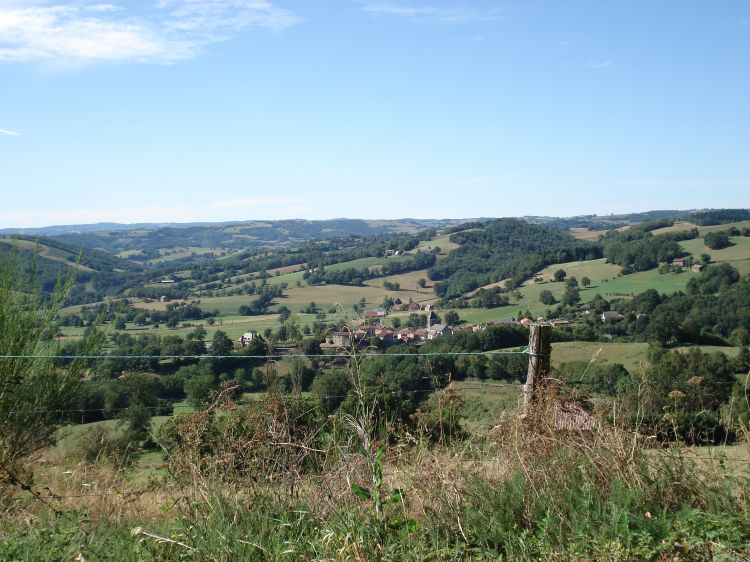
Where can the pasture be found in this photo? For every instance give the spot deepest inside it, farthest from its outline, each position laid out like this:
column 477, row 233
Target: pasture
column 635, row 283
column 719, row 227
column 407, row 281
column 476, row 316
column 681, row 226
column 633, row 356
column 737, row 256
column 606, row 280
column 442, row 242
column 599, row 272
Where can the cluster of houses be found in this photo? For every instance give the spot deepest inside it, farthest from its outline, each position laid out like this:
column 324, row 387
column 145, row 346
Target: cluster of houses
column 390, row 335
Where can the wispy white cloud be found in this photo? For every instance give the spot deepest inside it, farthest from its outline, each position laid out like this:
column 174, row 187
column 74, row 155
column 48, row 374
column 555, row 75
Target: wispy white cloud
column 252, row 202
column 449, row 14
column 601, row 65
column 9, row 133
column 163, row 32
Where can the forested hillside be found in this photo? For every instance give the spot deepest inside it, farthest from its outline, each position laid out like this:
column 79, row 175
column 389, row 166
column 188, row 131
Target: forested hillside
column 504, row 249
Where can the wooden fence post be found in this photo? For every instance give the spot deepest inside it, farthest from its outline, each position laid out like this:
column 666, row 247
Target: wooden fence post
column 539, row 359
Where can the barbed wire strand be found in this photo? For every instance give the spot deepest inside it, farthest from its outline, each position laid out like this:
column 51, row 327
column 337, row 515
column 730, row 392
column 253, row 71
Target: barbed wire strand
column 272, row 356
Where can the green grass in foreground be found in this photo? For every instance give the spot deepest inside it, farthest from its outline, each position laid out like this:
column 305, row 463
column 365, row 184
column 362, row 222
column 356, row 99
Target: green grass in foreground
column 572, row 512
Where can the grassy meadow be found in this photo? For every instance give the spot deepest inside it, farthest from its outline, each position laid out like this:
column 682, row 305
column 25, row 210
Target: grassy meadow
column 737, row 255
column 442, row 242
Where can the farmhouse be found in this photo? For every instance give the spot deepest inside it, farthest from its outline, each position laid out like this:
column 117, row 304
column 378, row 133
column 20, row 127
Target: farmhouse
column 611, row 316
column 385, row 334
column 341, row 339
column 404, row 334
column 383, row 330
column 245, row 339
column 421, row 334
column 438, row 331
column 697, row 268
column 364, row 332
column 678, row 262
column 377, row 313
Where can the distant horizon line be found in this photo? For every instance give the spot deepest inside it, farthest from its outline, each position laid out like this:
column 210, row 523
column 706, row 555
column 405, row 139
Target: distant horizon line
column 158, row 224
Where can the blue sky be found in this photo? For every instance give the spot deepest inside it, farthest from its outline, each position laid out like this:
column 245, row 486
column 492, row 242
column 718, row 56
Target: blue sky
column 199, row 110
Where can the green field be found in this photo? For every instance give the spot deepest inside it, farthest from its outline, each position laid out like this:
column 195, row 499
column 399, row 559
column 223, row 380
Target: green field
column 738, row 255
column 442, row 242
column 596, row 270
column 678, row 226
column 289, row 278
column 633, row 356
column 719, row 227
column 606, row 280
column 638, row 282
column 408, row 282
column 477, row 316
